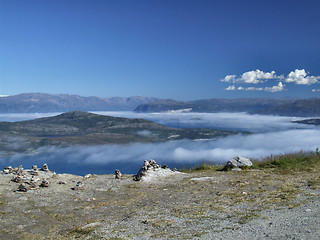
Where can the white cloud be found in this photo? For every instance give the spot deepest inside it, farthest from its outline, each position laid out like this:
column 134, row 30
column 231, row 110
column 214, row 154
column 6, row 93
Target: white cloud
column 256, row 76
column 278, row 88
column 231, row 88
column 252, row 77
column 229, row 78
column 253, row 89
column 300, row 77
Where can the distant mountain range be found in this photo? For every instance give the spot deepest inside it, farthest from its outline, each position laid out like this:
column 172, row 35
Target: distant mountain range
column 42, row 102
column 283, row 107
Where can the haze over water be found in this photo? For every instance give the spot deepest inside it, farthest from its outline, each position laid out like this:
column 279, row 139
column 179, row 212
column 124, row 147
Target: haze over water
column 269, row 135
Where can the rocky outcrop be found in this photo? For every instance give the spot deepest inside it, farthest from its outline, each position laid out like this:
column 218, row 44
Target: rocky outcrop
column 238, row 163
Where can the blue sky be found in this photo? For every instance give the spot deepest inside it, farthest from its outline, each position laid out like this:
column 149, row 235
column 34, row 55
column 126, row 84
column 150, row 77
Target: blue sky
column 179, row 49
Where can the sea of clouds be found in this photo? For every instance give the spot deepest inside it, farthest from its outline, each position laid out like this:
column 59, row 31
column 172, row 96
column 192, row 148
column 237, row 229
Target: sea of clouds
column 270, row 135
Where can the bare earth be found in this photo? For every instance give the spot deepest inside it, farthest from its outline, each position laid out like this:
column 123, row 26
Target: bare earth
column 200, row 205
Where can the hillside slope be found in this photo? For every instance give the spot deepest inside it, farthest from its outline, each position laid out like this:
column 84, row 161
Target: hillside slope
column 82, row 128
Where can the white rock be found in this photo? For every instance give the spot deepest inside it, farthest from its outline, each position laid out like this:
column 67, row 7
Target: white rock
column 239, row 162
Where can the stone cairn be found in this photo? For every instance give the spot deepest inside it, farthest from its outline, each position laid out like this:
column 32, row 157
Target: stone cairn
column 44, row 183
column 117, row 174
column 28, row 178
column 34, row 170
column 45, row 167
column 8, row 170
column 148, row 166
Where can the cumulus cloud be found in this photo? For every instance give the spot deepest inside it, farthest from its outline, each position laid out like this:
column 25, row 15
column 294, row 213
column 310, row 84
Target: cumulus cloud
column 252, row 77
column 300, row 77
column 231, row 88
column 230, row 78
column 278, row 88
column 253, row 89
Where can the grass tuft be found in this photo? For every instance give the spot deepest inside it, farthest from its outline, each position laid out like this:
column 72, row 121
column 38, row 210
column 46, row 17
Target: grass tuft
column 291, row 162
column 284, row 163
column 202, row 167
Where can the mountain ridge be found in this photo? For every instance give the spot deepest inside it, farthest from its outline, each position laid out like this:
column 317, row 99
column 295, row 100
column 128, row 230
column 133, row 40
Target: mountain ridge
column 44, row 102
column 267, row 106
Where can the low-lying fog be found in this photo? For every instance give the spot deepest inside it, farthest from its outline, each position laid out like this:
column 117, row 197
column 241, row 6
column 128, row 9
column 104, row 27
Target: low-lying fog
column 271, row 135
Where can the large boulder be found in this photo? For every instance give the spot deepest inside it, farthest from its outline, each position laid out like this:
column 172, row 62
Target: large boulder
column 239, row 162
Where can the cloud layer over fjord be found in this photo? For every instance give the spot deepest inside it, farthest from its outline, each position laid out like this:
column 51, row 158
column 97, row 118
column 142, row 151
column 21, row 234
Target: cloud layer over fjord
column 229, row 121
column 128, row 158
column 272, row 135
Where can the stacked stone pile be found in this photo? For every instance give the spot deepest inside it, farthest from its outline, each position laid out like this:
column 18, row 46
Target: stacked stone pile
column 148, row 168
column 117, row 174
column 29, row 179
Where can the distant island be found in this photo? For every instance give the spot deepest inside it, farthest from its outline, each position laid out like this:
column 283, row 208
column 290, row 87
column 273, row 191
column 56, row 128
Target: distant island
column 83, row 128
column 45, row 103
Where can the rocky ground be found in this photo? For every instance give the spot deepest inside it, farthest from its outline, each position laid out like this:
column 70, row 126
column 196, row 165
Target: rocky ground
column 248, row 204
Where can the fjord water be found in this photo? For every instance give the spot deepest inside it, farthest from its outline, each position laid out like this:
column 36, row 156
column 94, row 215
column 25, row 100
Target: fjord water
column 268, row 135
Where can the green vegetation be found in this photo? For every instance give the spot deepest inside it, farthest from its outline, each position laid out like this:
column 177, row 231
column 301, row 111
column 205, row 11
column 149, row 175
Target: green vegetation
column 283, row 163
column 203, row 167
